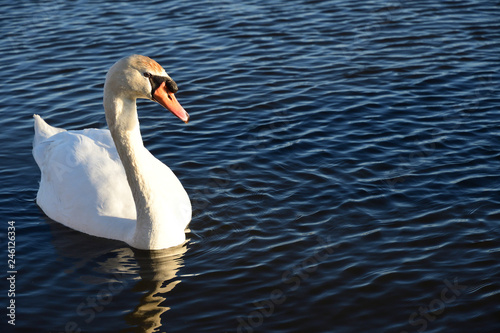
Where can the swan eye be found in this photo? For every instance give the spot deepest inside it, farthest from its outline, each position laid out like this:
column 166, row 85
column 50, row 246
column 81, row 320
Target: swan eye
column 157, row 80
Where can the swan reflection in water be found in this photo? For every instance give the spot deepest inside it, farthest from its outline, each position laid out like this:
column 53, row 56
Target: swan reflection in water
column 117, row 275
column 157, row 270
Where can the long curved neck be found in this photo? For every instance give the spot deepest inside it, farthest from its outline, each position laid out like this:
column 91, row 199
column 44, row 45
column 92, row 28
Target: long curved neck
column 122, row 119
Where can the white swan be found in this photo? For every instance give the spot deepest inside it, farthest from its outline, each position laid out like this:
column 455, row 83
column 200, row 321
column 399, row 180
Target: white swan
column 105, row 182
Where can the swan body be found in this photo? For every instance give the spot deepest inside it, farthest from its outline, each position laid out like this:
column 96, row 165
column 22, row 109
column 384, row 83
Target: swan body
column 105, row 182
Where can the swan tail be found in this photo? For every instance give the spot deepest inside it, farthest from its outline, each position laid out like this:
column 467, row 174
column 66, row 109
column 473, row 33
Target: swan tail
column 43, row 130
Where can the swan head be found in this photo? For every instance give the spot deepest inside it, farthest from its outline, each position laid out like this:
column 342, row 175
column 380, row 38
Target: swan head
column 138, row 76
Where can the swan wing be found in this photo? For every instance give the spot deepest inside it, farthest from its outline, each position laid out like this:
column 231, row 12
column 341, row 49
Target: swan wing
column 83, row 183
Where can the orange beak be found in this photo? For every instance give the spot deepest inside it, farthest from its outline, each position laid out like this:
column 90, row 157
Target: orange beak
column 167, row 99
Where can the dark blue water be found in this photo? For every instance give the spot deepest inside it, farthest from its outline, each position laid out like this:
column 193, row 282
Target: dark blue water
column 342, row 159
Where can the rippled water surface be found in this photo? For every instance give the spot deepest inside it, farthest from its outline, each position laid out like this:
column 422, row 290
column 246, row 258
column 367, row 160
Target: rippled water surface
column 342, row 160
